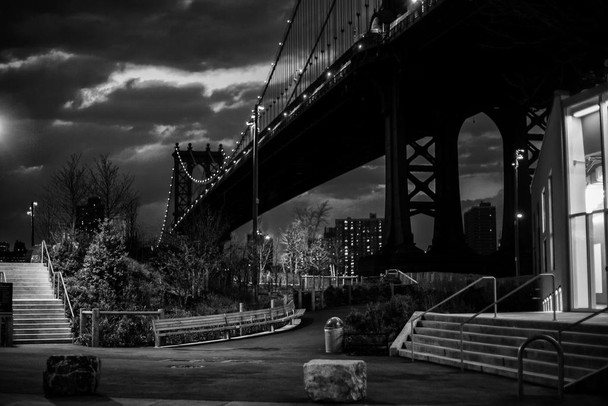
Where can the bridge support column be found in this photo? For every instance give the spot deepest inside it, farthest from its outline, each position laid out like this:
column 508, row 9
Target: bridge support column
column 398, row 238
column 448, row 234
column 512, row 123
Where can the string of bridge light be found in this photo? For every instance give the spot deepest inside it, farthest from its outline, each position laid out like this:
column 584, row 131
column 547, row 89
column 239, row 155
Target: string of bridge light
column 162, row 231
column 205, row 181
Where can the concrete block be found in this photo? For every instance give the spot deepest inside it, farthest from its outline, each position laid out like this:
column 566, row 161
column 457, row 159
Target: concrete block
column 340, row 381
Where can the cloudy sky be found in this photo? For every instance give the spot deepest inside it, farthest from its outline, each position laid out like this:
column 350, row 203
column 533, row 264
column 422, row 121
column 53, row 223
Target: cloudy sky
column 130, row 78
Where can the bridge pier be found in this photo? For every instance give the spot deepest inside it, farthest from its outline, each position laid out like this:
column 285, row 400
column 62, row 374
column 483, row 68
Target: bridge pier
column 448, row 234
column 398, row 237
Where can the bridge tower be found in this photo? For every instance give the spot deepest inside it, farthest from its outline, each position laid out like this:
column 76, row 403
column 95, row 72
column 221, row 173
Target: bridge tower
column 422, row 176
column 185, row 180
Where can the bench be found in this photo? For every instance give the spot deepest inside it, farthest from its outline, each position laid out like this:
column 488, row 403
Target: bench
column 225, row 322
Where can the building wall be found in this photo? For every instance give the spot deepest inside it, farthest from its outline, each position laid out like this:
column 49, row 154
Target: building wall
column 480, row 228
column 568, row 200
column 358, row 238
column 548, row 189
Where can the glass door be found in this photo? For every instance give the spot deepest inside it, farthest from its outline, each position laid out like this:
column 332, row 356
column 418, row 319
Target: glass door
column 587, row 209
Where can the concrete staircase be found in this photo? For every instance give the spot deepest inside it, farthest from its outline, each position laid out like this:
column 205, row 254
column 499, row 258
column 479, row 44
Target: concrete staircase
column 491, row 346
column 38, row 318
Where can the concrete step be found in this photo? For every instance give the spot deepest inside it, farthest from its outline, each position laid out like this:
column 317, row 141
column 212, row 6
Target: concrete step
column 519, row 323
column 41, row 323
column 20, row 265
column 493, row 359
column 33, row 296
column 29, row 276
column 538, row 351
column 27, row 303
column 532, row 377
column 22, row 291
column 586, row 346
column 35, row 334
column 594, row 337
column 42, row 330
column 491, row 344
column 55, row 314
column 54, row 340
column 41, row 302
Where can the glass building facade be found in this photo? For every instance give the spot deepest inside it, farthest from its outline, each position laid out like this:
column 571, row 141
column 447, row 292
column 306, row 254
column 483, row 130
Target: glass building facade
column 586, row 135
column 569, row 200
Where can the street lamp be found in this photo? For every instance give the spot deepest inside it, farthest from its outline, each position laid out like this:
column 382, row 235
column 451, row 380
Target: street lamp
column 255, row 200
column 32, row 213
column 519, row 155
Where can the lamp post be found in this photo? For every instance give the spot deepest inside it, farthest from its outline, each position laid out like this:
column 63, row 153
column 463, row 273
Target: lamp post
column 255, row 198
column 517, row 215
column 32, row 213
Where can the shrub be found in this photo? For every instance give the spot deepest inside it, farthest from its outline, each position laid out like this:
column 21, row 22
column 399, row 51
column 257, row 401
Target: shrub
column 383, row 317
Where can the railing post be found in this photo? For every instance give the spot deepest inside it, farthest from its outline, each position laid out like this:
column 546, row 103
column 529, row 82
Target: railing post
column 461, row 349
column 241, row 310
column 495, row 299
column 412, row 336
column 271, row 308
column 553, row 290
column 312, row 300
column 81, row 319
column 95, row 328
column 161, row 313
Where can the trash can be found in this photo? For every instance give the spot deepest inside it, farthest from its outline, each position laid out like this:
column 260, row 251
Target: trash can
column 334, row 331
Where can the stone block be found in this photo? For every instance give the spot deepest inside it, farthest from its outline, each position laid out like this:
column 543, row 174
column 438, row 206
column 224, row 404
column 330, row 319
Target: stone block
column 340, row 381
column 68, row 375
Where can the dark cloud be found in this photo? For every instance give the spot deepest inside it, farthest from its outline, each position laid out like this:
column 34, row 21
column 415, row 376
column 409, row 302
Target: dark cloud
column 184, row 34
column 159, row 104
column 42, row 84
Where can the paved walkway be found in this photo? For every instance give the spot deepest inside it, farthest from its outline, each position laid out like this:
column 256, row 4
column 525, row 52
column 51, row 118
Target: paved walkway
column 262, row 370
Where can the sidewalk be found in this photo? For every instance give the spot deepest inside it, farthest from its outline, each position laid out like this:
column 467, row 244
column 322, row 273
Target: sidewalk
column 262, row 370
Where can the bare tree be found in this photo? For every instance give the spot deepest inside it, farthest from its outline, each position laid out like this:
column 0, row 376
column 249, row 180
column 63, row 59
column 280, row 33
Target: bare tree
column 304, row 248
column 115, row 190
column 294, row 240
column 68, row 188
column 311, row 219
column 208, row 233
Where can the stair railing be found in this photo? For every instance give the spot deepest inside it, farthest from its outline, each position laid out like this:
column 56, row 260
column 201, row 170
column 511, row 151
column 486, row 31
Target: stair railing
column 447, row 300
column 399, row 274
column 56, row 278
column 560, row 364
column 496, row 304
column 576, row 323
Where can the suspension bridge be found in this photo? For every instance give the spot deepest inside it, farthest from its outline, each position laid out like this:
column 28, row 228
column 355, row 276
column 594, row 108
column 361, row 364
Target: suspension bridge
column 354, row 80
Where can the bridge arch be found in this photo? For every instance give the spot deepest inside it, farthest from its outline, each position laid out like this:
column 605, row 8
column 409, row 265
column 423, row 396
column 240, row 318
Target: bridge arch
column 481, row 180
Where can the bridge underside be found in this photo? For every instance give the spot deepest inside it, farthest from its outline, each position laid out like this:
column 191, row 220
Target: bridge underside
column 499, row 57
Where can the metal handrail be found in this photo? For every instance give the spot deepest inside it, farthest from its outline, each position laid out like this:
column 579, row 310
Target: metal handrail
column 400, row 275
column 560, row 363
column 496, row 304
column 576, row 323
column 448, row 299
column 55, row 277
